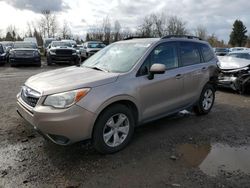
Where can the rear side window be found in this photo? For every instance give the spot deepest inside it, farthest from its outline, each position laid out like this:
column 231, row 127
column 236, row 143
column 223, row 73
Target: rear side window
column 189, row 54
column 207, row 53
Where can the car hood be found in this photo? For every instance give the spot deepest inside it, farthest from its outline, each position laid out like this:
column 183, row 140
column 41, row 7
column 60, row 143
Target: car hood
column 94, row 49
column 69, row 78
column 230, row 63
column 62, row 47
column 23, row 49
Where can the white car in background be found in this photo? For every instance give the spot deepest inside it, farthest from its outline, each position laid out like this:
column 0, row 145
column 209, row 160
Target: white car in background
column 238, row 49
column 235, row 71
column 91, row 47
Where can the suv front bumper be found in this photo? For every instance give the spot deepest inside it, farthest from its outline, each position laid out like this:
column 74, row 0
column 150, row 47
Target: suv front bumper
column 61, row 126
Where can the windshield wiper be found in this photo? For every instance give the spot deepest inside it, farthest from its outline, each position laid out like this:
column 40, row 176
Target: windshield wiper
column 100, row 69
column 96, row 68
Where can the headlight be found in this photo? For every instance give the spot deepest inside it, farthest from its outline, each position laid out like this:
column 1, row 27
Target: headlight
column 52, row 52
column 66, row 99
column 74, row 52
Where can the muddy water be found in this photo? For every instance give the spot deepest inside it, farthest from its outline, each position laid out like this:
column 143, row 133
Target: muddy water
column 212, row 159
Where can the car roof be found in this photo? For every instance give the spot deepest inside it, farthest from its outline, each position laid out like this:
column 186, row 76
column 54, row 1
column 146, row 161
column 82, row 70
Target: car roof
column 94, row 41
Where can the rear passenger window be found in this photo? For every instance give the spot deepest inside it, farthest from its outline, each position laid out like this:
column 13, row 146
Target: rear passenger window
column 207, row 53
column 189, row 54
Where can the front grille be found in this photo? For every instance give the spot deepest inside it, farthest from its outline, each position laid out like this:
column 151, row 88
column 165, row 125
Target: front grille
column 31, row 101
column 63, row 52
column 29, row 96
column 93, row 51
column 24, row 53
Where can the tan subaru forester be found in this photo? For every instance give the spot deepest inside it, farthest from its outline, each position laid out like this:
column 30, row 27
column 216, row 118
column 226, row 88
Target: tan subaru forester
column 126, row 84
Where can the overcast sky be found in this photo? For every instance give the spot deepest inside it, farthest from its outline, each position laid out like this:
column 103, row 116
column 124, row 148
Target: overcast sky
column 216, row 15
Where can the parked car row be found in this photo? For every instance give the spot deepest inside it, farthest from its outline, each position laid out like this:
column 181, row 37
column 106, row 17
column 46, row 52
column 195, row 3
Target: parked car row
column 64, row 51
column 225, row 51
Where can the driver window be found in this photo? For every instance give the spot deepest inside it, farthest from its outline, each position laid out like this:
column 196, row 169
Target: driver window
column 165, row 53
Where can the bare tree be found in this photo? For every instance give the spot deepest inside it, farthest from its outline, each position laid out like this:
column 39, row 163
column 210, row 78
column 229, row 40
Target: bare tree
column 159, row 22
column 201, row 32
column 106, row 25
column 66, row 31
column 146, row 28
column 48, row 24
column 159, row 25
column 117, row 28
column 215, row 42
column 11, row 33
column 176, row 26
column 29, row 32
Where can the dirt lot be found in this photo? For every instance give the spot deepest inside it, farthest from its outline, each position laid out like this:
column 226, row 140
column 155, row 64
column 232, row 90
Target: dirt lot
column 180, row 151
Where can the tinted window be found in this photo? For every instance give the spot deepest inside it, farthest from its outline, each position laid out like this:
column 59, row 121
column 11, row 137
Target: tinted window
column 60, row 44
column 189, row 54
column 207, row 52
column 25, row 45
column 96, row 45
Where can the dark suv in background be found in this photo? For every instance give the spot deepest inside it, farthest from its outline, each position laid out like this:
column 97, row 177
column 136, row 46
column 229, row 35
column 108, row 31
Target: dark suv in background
column 62, row 52
column 25, row 53
column 2, row 55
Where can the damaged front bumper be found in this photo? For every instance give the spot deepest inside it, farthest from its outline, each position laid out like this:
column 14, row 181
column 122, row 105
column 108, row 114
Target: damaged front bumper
column 236, row 79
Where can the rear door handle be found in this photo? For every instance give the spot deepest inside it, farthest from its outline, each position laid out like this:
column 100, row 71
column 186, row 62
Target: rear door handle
column 178, row 76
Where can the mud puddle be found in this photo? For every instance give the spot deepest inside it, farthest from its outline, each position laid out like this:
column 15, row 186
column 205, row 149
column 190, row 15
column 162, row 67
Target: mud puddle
column 216, row 158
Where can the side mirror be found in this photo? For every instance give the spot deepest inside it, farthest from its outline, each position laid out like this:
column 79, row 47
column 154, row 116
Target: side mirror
column 156, row 69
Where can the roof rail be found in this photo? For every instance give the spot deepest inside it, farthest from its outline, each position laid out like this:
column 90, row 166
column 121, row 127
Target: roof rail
column 181, row 36
column 135, row 37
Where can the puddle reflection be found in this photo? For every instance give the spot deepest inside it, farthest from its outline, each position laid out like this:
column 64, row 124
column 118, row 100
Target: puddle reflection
column 212, row 159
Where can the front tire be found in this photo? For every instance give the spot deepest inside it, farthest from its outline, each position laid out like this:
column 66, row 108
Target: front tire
column 113, row 129
column 206, row 100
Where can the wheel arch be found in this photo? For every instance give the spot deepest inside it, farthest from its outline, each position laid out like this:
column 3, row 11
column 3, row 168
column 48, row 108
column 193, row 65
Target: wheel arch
column 127, row 101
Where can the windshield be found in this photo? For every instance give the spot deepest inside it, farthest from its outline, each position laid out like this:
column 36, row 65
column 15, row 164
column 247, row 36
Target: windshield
column 25, row 45
column 61, row 44
column 240, row 55
column 96, row 45
column 47, row 42
column 7, row 44
column 117, row 57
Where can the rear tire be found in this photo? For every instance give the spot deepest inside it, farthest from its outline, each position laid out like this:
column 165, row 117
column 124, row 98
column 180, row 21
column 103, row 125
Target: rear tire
column 113, row 129
column 206, row 100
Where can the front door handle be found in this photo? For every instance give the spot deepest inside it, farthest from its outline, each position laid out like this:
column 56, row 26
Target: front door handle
column 204, row 68
column 178, row 76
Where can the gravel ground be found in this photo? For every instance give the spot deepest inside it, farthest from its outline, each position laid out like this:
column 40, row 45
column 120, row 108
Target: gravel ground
column 172, row 152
